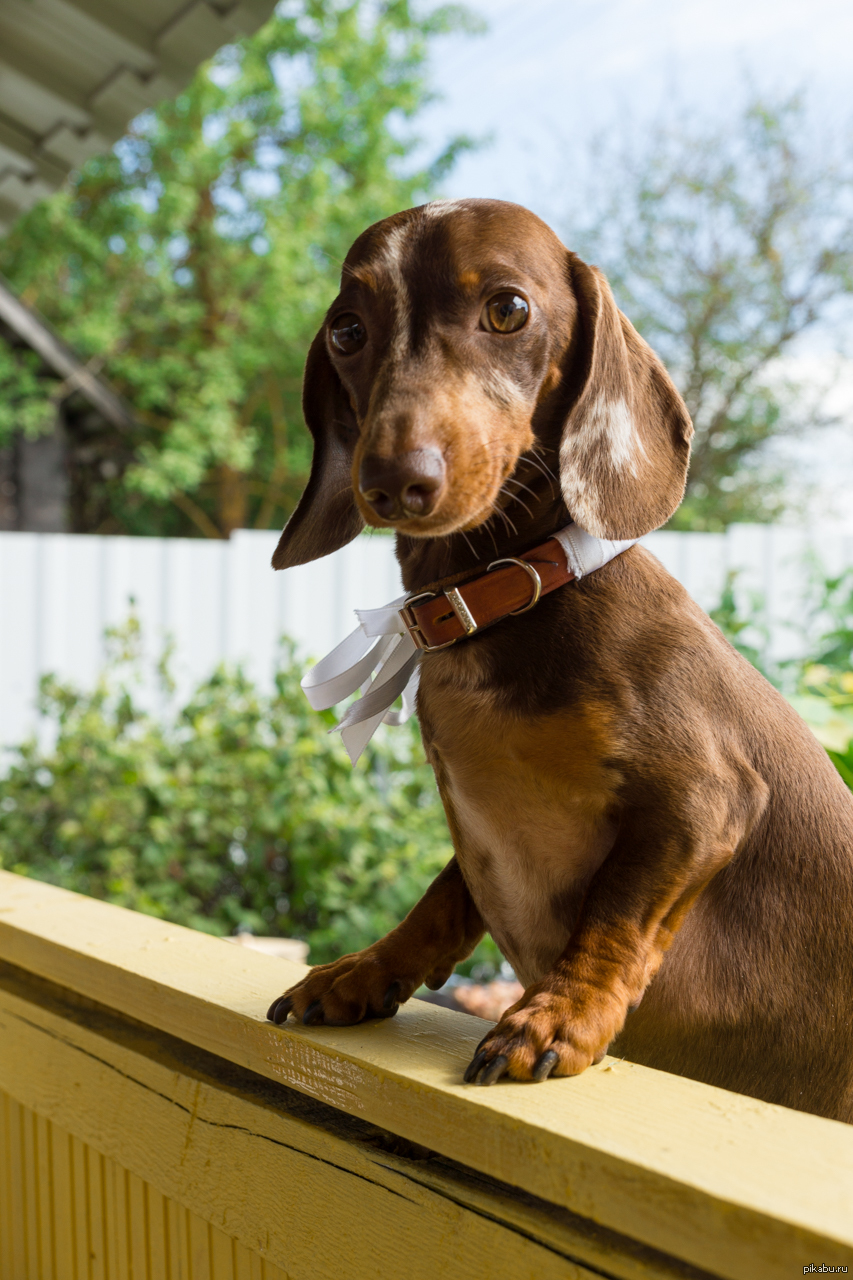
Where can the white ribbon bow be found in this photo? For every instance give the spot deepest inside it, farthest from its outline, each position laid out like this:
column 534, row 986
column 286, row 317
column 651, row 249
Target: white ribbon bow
column 382, row 660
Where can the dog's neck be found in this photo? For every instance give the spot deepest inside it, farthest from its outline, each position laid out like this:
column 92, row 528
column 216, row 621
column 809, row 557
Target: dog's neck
column 529, row 510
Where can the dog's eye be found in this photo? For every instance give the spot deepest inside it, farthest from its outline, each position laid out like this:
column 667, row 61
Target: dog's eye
column 505, row 313
column 348, row 334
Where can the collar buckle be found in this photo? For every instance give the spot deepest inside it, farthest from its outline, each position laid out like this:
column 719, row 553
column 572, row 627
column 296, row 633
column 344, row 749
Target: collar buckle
column 413, row 627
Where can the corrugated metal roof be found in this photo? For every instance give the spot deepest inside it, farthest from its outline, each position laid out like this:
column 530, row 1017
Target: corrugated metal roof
column 73, row 73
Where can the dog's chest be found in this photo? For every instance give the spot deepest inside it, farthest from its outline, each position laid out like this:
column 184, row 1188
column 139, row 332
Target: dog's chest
column 530, row 807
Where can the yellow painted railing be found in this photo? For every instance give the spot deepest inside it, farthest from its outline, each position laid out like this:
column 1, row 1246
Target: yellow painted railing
column 153, row 1126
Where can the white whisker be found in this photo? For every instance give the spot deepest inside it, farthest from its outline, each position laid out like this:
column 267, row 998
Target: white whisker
column 535, row 496
column 513, row 497
column 468, row 541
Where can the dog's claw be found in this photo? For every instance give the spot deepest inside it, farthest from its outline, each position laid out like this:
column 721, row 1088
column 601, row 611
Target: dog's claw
column 392, row 999
column 494, row 1070
column 313, row 1015
column 545, row 1065
column 474, row 1066
column 279, row 1009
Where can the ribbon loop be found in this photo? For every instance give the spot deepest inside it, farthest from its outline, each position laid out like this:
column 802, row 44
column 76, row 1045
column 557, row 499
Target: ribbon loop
column 380, row 645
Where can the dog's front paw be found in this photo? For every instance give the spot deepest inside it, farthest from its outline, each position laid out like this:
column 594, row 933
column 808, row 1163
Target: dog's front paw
column 544, row 1035
column 364, row 985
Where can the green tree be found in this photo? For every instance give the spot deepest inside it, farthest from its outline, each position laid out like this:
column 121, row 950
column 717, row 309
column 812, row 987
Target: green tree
column 193, row 263
column 725, row 246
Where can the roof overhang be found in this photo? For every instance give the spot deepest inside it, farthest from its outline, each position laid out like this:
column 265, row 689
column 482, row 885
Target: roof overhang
column 73, row 73
column 21, row 326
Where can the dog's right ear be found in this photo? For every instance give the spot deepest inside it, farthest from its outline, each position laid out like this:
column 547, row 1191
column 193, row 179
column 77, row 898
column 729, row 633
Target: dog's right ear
column 326, row 517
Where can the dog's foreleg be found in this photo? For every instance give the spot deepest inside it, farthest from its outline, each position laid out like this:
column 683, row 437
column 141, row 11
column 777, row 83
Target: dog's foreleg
column 668, row 849
column 442, row 929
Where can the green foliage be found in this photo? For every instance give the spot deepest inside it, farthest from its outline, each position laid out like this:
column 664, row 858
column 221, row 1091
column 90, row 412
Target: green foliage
column 237, row 809
column 825, row 701
column 820, row 688
column 738, row 629
column 824, row 692
column 194, row 263
column 833, row 607
column 724, row 245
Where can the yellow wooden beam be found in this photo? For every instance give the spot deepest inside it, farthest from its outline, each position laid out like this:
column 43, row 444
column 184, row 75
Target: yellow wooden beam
column 318, row 1203
column 735, row 1186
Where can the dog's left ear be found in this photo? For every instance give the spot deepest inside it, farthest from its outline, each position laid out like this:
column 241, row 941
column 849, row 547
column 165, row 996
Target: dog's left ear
column 626, row 440
column 326, row 517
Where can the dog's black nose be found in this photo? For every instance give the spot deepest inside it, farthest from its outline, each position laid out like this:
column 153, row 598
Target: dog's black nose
column 408, row 484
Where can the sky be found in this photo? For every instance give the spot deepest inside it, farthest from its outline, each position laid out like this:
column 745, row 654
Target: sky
column 551, row 75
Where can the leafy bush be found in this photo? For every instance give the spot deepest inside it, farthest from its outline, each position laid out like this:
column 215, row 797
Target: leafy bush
column 238, row 809
column 740, row 629
column 825, row 701
column 824, row 694
column 820, row 688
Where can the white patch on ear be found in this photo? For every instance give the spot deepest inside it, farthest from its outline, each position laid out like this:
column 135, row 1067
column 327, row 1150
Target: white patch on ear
column 606, row 433
column 622, row 438
column 607, row 427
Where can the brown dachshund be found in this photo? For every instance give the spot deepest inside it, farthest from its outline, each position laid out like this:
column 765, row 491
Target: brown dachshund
column 652, row 836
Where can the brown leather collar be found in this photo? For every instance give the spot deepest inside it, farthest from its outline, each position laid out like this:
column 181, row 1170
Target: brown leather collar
column 440, row 618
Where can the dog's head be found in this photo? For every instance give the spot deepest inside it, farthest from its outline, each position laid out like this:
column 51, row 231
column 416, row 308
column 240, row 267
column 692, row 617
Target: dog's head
column 464, row 335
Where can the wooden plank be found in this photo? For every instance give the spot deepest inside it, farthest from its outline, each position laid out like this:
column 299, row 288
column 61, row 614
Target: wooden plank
column 6, row 1219
column 18, row 1188
column 179, row 1248
column 281, row 1186
column 64, row 1256
column 199, row 1242
column 138, row 1229
column 157, row 1239
column 29, row 1160
column 46, row 1210
column 114, row 1220
column 656, row 1157
column 221, row 1256
column 247, row 1265
column 84, row 1254
column 100, row 1256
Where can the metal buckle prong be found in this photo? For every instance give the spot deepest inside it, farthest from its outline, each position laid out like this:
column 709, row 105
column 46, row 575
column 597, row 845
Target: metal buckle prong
column 534, row 576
